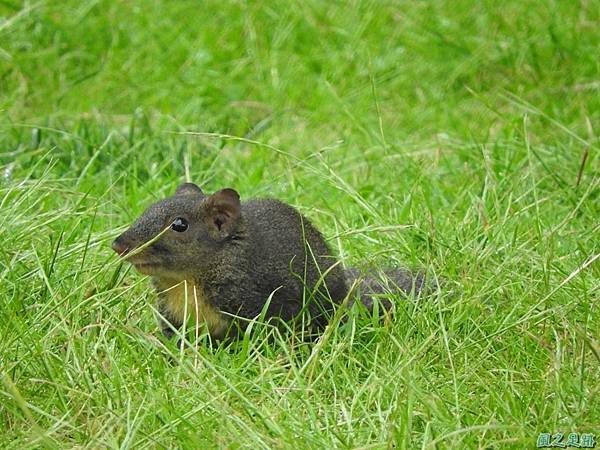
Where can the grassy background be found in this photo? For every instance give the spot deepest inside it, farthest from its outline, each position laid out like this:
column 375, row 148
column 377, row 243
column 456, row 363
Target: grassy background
column 459, row 136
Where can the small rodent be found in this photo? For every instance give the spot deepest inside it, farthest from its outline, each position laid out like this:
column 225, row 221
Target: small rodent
column 217, row 261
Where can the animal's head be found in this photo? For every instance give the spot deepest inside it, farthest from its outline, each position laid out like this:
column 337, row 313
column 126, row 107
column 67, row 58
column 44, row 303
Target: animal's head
column 175, row 236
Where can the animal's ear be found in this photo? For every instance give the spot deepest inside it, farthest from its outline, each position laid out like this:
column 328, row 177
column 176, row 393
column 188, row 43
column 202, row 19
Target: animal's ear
column 223, row 211
column 188, row 188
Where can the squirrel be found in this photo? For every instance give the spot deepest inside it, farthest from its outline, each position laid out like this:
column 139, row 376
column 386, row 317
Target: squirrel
column 217, row 261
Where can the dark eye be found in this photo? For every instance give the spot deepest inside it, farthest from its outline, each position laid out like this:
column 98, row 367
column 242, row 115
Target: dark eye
column 179, row 225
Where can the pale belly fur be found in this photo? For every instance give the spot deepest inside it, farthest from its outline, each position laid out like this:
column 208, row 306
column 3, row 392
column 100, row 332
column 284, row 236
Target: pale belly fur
column 187, row 303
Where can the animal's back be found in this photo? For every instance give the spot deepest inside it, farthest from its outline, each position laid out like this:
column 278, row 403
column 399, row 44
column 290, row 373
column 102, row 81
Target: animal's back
column 291, row 259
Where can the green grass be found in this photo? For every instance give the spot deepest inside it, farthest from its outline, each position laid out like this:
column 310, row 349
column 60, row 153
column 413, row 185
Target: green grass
column 447, row 135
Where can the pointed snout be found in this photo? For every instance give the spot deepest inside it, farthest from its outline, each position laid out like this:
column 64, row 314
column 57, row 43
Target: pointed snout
column 120, row 247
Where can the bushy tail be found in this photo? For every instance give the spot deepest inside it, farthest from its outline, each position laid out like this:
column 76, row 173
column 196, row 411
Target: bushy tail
column 370, row 286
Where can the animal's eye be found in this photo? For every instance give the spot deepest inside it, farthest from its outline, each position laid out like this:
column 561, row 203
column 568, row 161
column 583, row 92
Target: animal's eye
column 179, row 225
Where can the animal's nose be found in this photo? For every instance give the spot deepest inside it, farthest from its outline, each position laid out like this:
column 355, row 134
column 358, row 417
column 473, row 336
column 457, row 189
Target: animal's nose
column 119, row 247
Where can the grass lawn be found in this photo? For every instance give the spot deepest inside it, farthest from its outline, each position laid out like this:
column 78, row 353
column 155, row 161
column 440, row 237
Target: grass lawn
column 457, row 136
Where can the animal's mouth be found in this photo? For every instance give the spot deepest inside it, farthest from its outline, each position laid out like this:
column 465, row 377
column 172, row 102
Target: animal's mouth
column 139, row 258
column 143, row 264
column 146, row 267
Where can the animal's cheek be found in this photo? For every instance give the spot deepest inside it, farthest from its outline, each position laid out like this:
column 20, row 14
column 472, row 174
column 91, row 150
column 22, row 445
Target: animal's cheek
column 160, row 248
column 190, row 242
